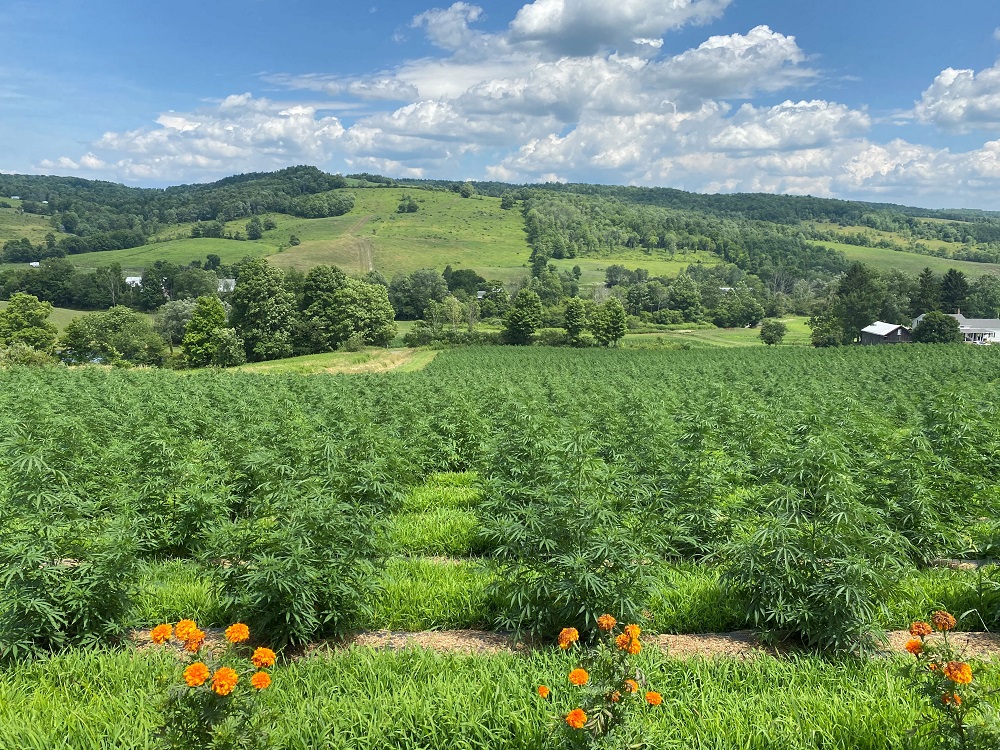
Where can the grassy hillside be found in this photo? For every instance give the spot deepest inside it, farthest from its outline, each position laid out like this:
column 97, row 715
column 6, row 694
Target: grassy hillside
column 910, row 263
column 61, row 316
column 15, row 225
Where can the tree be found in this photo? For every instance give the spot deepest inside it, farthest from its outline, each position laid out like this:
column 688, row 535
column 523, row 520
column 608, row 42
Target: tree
column 937, row 328
column 466, row 190
column 230, row 350
column 495, row 301
column 738, row 309
column 685, row 297
column 117, row 336
column 928, row 294
column 507, row 200
column 201, row 344
column 335, row 308
column 826, row 330
column 772, row 332
column 263, row 311
column 255, row 228
column 410, row 294
column 859, row 300
column 984, row 299
column 465, row 280
column 954, row 291
column 575, row 319
column 171, row 319
column 523, row 318
column 25, row 321
column 609, row 322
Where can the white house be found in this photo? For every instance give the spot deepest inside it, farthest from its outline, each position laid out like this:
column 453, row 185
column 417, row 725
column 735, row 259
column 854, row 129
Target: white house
column 133, row 281
column 974, row 330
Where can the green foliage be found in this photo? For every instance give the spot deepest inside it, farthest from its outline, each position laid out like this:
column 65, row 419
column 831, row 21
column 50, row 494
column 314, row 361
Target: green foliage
column 826, row 331
column 118, row 336
column 772, row 332
column 574, row 319
column 25, row 321
column 937, row 328
column 568, row 533
column 608, row 322
column 201, row 342
column 172, row 318
column 263, row 311
column 336, row 308
column 302, row 572
column 523, row 318
column 23, row 355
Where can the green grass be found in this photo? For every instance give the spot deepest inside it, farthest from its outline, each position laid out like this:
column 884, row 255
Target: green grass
column 910, row 263
column 60, row 316
column 172, row 591
column 440, row 531
column 14, row 225
column 593, row 269
column 417, row 700
column 698, row 336
column 893, row 236
column 135, row 259
column 452, row 490
column 367, row 361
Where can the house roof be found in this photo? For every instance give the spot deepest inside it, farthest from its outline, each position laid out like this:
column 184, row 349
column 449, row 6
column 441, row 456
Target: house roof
column 878, row 328
column 970, row 324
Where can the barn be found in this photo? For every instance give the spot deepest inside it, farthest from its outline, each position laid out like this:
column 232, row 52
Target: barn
column 884, row 333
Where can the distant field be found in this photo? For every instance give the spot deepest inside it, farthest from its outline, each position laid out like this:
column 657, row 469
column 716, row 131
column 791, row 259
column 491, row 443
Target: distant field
column 593, row 269
column 368, row 361
column 14, row 225
column 893, row 236
column 798, row 335
column 60, row 316
column 133, row 260
column 910, row 263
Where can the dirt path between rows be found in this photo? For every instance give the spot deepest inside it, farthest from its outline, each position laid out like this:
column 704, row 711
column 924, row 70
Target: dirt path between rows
column 364, row 245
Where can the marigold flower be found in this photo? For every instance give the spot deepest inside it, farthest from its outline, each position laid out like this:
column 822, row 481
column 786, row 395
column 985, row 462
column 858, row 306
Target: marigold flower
column 634, row 647
column 632, row 686
column 616, row 696
column 567, row 637
column 161, row 633
column 184, row 629
column 932, row 667
column 194, row 641
column 263, row 657
column 958, row 672
column 224, row 680
column 633, row 631
column 949, row 698
column 943, row 620
column 237, row 633
column 654, row 699
column 579, row 677
column 606, row 622
column 260, row 680
column 196, row 674
column 576, row 718
column 543, row 691
column 920, row 628
column 622, row 641
column 915, row 646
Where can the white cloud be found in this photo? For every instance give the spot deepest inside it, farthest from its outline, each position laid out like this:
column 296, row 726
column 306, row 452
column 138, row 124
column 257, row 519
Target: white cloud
column 962, row 100
column 63, row 162
column 449, row 29
column 996, row 33
column 586, row 27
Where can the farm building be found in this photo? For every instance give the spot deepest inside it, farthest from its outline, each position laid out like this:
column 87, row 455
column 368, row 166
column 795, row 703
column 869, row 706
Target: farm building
column 975, row 330
column 133, row 281
column 885, row 333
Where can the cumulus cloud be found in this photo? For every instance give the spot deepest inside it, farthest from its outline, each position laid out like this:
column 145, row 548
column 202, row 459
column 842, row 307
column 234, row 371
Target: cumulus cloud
column 962, row 100
column 449, row 28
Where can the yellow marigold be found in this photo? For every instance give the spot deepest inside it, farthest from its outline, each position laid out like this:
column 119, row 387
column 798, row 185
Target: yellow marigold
column 654, row 699
column 920, row 628
column 632, row 631
column 543, row 691
column 949, row 698
column 615, row 697
column 942, row 620
column 194, row 641
column 260, row 680
column 915, row 646
column 567, row 637
column 622, row 641
column 184, row 629
column 224, row 680
column 634, row 647
column 196, row 674
column 579, row 677
column 606, row 622
column 958, row 672
column 161, row 633
column 263, row 657
column 576, row 718
column 632, row 686
column 237, row 633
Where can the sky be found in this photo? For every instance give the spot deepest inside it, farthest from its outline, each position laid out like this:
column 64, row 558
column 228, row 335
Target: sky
column 882, row 100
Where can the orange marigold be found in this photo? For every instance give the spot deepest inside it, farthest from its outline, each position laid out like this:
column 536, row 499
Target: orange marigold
column 579, row 677
column 543, row 691
column 194, row 641
column 632, row 686
column 576, row 718
column 949, row 698
column 606, row 622
column 920, row 628
column 634, row 647
column 196, row 674
column 633, row 631
column 654, row 699
column 224, row 680
column 237, row 633
column 958, row 672
column 184, row 629
column 943, row 620
column 260, row 680
column 263, row 657
column 915, row 646
column 622, row 641
column 161, row 633
column 567, row 637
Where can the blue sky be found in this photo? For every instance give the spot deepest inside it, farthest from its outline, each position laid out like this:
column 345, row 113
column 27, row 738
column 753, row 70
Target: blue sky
column 885, row 100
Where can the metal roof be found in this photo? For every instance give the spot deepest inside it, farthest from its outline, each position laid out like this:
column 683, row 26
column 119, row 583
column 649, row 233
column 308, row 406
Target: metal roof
column 879, row 328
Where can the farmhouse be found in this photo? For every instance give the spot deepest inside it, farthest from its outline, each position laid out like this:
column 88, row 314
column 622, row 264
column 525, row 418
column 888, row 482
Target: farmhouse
column 133, row 281
column 975, row 330
column 884, row 333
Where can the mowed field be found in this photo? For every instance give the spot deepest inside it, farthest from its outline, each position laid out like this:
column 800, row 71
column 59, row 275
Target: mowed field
column 910, row 263
column 15, row 225
column 61, row 316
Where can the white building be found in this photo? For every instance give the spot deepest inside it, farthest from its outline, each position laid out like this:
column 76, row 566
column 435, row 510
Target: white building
column 974, row 330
